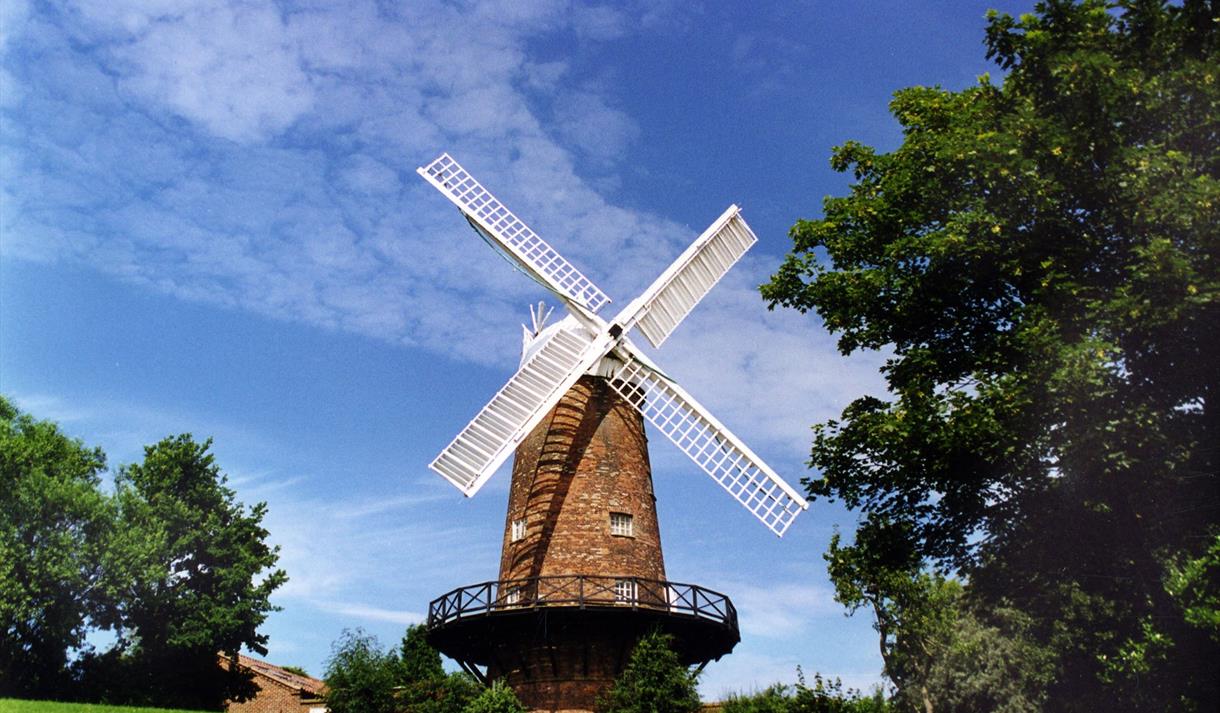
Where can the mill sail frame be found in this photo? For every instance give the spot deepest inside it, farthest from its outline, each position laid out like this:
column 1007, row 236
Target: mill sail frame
column 578, row 343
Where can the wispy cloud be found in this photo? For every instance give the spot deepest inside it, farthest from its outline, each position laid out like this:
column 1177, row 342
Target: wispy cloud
column 781, row 611
column 367, row 613
column 260, row 156
column 259, row 159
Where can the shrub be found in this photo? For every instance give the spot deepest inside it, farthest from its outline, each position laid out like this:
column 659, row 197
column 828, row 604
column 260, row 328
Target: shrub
column 496, row 698
column 655, row 681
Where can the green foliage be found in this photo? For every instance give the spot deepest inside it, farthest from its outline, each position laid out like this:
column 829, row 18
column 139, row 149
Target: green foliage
column 53, row 525
column 914, row 612
column 1042, row 259
column 829, row 696
column 448, row 693
column 420, row 662
column 198, row 572
column 497, row 698
column 11, row 705
column 654, row 681
column 171, row 563
column 776, row 698
column 360, row 677
column 1194, row 584
column 824, row 696
column 297, row 670
column 424, row 687
column 990, row 662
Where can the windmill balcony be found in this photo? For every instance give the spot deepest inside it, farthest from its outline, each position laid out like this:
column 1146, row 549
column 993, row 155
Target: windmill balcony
column 582, row 591
column 470, row 623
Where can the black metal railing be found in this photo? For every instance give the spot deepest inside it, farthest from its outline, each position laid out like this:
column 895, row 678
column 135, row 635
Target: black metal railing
column 582, row 591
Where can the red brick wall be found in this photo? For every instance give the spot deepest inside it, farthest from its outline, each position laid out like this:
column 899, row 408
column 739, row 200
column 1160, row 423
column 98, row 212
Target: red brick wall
column 588, row 458
column 571, row 666
column 274, row 698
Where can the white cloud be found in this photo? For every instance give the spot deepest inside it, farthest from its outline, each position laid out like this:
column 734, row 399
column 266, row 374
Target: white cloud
column 235, row 69
column 368, row 613
column 13, row 16
column 598, row 22
column 780, row 611
column 313, row 232
column 591, row 125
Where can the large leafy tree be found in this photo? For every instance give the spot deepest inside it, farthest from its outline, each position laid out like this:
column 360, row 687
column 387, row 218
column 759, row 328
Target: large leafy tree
column 914, row 611
column 53, row 523
column 198, row 575
column 1041, row 257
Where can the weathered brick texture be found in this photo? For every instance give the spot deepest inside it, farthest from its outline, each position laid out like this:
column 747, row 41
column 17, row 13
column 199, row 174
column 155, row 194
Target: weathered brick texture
column 587, row 459
column 275, row 698
column 279, row 691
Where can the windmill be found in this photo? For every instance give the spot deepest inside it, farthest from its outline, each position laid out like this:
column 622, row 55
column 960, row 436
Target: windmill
column 582, row 573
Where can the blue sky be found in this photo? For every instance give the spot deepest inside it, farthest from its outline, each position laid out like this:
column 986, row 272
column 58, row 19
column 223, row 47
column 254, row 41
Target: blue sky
column 210, row 223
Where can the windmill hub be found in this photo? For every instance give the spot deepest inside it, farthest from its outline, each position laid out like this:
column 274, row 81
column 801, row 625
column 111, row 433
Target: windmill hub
column 582, row 575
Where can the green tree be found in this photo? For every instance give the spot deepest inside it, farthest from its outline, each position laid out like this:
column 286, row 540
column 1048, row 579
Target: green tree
column 654, row 681
column 450, row 693
column 419, row 661
column 360, row 677
column 914, row 612
column 1042, row 259
column 423, row 685
column 990, row 662
column 496, row 698
column 198, row 573
column 53, row 526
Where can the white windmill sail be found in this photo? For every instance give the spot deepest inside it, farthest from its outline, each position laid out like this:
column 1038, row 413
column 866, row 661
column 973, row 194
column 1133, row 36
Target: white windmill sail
column 707, row 442
column 498, row 223
column 676, row 292
column 561, row 354
column 518, row 407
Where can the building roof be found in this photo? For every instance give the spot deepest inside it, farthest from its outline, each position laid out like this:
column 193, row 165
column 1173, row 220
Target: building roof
column 302, row 684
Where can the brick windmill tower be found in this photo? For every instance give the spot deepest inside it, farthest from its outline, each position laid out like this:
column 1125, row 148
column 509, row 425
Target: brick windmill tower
column 582, row 575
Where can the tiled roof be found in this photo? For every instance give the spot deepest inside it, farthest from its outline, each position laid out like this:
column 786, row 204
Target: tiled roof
column 304, row 684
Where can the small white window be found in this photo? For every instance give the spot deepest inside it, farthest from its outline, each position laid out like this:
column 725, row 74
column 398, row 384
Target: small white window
column 518, row 530
column 624, row 590
column 621, row 524
column 513, row 596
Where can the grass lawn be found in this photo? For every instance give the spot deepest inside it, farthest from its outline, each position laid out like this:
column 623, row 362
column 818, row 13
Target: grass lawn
column 12, row 705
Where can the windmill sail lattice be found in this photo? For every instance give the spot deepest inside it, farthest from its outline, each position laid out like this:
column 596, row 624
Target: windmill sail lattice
column 498, row 223
column 486, row 442
column 710, row 445
column 676, row 292
column 578, row 343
